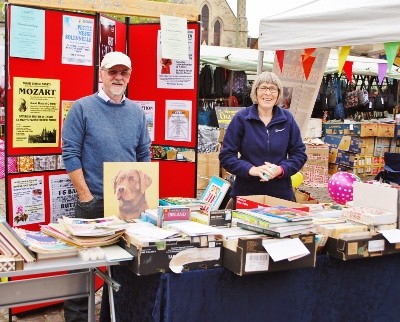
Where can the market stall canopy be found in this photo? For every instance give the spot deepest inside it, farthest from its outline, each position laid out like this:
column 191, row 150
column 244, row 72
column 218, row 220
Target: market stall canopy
column 244, row 59
column 323, row 23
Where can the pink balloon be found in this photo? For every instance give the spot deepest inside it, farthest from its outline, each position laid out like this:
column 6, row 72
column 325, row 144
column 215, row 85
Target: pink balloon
column 340, row 186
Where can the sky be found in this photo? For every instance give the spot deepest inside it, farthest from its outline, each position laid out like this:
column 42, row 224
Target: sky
column 257, row 9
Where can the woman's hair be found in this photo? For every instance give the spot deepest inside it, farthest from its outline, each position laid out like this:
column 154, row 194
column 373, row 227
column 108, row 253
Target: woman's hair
column 269, row 78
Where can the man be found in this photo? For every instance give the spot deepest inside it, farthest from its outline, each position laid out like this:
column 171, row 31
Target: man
column 103, row 127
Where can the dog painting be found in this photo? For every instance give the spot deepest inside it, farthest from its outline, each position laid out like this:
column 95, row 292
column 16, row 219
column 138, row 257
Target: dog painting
column 133, row 189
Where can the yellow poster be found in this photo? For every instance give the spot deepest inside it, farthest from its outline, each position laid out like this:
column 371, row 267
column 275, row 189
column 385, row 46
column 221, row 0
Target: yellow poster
column 66, row 106
column 36, row 112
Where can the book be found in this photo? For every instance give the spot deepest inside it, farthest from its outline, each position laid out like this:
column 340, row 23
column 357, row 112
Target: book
column 279, row 231
column 338, row 229
column 369, row 216
column 256, row 218
column 173, row 213
column 58, row 231
column 214, row 193
column 281, row 214
column 17, row 245
column 92, row 227
column 45, row 246
column 192, row 203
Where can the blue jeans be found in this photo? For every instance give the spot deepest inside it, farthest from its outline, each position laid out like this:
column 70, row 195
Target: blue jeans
column 76, row 310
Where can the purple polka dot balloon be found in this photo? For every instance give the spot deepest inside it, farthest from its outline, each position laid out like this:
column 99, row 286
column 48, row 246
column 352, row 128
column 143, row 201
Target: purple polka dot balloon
column 340, row 186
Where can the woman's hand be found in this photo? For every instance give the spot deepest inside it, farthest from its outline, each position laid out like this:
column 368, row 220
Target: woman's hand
column 266, row 172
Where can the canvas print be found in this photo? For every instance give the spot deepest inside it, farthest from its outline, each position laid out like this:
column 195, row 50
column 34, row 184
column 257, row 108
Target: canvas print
column 130, row 188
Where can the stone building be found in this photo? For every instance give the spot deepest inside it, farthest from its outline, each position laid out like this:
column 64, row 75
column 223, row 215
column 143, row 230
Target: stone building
column 219, row 24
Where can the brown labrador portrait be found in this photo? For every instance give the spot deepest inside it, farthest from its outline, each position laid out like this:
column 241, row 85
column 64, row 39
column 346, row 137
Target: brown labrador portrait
column 129, row 189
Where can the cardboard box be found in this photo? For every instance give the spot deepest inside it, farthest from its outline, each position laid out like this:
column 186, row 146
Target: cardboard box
column 207, row 166
column 368, row 129
column 247, row 255
column 341, row 129
column 248, row 202
column 333, row 168
column 341, row 157
column 360, row 247
column 344, row 143
column 315, row 171
column 156, row 257
column 385, row 130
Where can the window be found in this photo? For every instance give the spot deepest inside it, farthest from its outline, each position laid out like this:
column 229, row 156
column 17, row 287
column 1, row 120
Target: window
column 217, row 33
column 205, row 17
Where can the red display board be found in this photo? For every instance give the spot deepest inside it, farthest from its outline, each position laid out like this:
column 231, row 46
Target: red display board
column 176, row 178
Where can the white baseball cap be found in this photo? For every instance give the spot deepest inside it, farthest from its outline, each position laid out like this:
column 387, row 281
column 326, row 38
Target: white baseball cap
column 115, row 58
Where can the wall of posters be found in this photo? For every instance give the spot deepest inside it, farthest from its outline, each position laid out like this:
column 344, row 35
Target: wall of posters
column 177, row 120
column 36, row 112
column 174, row 73
column 62, row 197
column 27, row 200
column 77, row 40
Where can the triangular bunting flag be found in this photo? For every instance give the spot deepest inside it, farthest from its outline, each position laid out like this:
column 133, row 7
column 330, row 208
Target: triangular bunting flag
column 343, row 53
column 307, row 65
column 348, row 70
column 308, row 52
column 391, row 51
column 280, row 55
column 382, row 68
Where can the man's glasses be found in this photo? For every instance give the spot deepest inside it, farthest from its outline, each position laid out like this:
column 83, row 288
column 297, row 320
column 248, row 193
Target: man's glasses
column 114, row 72
column 271, row 89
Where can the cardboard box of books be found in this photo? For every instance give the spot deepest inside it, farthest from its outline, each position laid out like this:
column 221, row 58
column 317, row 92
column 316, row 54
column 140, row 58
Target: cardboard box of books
column 360, row 247
column 248, row 255
column 248, row 202
column 200, row 252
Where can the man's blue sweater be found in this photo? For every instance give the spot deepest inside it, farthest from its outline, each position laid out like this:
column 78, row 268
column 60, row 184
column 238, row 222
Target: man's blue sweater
column 96, row 131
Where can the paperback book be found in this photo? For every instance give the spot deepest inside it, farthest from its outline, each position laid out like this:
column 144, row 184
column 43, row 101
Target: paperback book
column 11, row 244
column 45, row 246
column 280, row 232
column 369, row 216
column 192, row 203
column 278, row 214
column 214, row 193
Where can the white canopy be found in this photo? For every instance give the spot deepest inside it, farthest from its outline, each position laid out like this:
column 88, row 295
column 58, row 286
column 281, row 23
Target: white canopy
column 246, row 60
column 327, row 23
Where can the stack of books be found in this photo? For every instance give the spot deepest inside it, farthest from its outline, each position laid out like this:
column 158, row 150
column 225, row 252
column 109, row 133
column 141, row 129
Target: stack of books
column 11, row 245
column 86, row 233
column 275, row 221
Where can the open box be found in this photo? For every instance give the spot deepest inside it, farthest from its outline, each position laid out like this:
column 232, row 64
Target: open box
column 248, row 202
column 247, row 255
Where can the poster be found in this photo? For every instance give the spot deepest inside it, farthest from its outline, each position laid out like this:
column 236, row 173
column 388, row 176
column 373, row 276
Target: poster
column 130, row 188
column 149, row 108
column 178, row 120
column 175, row 73
column 27, row 33
column 225, row 114
column 107, row 36
column 299, row 94
column 27, row 200
column 77, row 40
column 36, row 112
column 65, row 107
column 175, row 38
column 62, row 197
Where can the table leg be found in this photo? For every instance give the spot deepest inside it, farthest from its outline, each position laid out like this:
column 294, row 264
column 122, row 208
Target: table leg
column 92, row 294
column 111, row 296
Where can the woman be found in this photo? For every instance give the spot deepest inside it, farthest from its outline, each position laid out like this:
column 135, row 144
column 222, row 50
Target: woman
column 262, row 144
